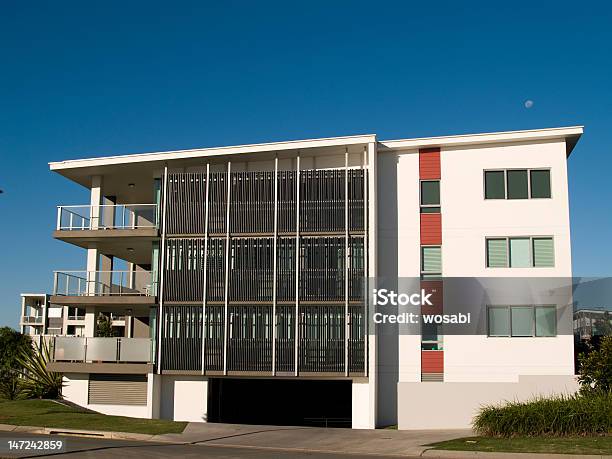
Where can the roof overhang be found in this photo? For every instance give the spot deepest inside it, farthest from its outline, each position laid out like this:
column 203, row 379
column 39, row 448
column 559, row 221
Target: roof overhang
column 569, row 134
column 293, row 145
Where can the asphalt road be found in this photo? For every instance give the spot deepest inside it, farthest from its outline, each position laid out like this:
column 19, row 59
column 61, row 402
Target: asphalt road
column 80, row 447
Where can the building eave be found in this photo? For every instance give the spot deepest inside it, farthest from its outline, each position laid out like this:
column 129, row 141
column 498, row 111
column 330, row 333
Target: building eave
column 212, row 152
column 570, row 134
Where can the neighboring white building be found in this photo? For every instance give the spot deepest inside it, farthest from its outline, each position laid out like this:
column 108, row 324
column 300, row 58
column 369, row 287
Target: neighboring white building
column 479, row 206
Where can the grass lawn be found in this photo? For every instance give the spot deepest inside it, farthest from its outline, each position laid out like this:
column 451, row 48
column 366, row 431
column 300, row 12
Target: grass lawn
column 564, row 445
column 46, row 413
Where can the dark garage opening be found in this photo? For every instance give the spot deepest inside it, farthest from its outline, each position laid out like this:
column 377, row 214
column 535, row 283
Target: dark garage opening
column 280, row 402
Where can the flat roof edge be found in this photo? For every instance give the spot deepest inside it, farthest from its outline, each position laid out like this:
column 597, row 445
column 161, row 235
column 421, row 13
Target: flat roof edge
column 213, row 151
column 571, row 132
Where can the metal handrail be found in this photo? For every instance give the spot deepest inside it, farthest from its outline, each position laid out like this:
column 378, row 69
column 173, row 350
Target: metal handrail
column 94, row 217
column 103, row 283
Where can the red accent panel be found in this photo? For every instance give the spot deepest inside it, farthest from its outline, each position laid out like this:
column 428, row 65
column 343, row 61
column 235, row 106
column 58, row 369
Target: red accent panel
column 431, row 229
column 432, row 361
column 429, row 163
column 436, row 289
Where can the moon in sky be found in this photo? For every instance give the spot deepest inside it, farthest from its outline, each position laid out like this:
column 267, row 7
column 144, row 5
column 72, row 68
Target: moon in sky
column 528, row 103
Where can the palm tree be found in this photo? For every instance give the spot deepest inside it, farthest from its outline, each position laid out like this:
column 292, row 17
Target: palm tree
column 38, row 381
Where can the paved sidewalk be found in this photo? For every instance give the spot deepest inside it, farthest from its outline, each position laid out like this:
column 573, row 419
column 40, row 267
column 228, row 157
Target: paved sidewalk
column 378, row 442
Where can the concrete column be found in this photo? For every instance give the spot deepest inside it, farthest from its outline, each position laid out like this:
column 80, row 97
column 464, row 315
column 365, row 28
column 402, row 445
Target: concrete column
column 154, row 383
column 91, row 316
column 95, row 201
column 23, row 310
column 105, row 276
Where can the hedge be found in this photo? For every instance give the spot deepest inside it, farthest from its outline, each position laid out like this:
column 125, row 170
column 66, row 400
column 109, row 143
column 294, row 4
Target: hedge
column 554, row 416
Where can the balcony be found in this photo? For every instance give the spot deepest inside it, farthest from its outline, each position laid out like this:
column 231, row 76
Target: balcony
column 106, row 217
column 104, row 355
column 123, row 230
column 78, row 288
column 32, row 320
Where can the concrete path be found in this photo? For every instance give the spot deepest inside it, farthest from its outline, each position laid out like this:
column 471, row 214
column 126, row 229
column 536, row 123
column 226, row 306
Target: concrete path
column 313, row 439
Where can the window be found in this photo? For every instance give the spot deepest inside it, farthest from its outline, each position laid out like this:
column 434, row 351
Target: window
column 540, row 183
column 430, row 196
column 543, row 252
column 517, row 184
column 497, row 253
column 499, row 321
column 522, row 321
column 495, row 185
column 520, row 252
column 431, row 261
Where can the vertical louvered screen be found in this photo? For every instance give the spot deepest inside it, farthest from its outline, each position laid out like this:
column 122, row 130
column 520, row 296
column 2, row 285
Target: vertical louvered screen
column 285, row 338
column 252, row 202
column 182, row 338
column 322, row 272
column 250, row 338
column 356, row 338
column 251, row 268
column 213, row 342
column 322, row 332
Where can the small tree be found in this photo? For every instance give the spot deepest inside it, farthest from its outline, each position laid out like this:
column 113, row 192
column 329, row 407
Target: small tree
column 596, row 368
column 104, row 327
column 12, row 345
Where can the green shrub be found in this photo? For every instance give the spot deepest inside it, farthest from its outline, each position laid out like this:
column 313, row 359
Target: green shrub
column 596, row 368
column 555, row 416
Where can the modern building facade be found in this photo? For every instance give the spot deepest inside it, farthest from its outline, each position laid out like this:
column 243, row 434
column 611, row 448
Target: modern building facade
column 235, row 278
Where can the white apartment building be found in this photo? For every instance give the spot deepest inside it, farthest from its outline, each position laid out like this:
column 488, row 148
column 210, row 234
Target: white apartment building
column 244, row 297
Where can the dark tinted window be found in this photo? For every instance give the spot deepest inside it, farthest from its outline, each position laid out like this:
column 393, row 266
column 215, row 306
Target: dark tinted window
column 540, row 184
column 517, row 184
column 430, row 193
column 494, row 185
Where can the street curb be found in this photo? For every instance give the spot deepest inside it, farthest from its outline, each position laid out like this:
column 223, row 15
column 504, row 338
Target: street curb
column 77, row 432
column 447, row 454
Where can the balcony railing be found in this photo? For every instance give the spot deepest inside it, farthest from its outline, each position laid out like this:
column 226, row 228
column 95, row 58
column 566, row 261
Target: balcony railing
column 102, row 217
column 104, row 283
column 124, row 350
column 35, row 320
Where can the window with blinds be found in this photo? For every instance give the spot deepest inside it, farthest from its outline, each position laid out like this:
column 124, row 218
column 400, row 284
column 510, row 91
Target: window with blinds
column 522, row 321
column 497, row 253
column 543, row 252
column 520, row 252
column 431, row 261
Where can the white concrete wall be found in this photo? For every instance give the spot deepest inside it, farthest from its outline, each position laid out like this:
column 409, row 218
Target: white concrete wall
column 453, row 405
column 362, row 415
column 184, row 398
column 468, row 218
column 478, row 369
column 76, row 390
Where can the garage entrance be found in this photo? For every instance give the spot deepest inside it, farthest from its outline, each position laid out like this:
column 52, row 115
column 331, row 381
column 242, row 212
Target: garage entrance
column 280, row 402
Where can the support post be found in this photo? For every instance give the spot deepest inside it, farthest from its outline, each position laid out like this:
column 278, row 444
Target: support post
column 205, row 267
column 227, row 270
column 346, row 266
column 366, row 318
column 297, row 264
column 162, row 271
column 274, row 267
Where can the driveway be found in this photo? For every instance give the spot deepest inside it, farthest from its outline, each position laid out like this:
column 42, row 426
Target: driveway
column 313, row 439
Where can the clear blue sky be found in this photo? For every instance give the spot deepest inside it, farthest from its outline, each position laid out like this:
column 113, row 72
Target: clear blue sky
column 81, row 79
